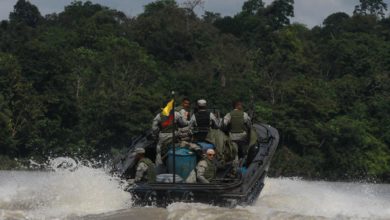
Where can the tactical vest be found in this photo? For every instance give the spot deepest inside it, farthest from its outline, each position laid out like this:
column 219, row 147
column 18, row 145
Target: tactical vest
column 165, row 129
column 210, row 171
column 151, row 172
column 202, row 121
column 237, row 121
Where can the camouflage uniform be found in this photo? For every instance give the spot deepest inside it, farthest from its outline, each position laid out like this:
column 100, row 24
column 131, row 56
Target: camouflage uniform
column 238, row 123
column 165, row 134
column 184, row 131
column 205, row 171
column 145, row 171
column 244, row 124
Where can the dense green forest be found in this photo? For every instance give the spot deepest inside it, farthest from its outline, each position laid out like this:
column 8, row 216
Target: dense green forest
column 84, row 81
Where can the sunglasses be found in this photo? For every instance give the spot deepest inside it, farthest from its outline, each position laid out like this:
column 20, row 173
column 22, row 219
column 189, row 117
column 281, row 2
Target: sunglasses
column 210, row 154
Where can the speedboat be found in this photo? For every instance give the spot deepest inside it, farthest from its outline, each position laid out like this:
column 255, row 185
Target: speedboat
column 226, row 190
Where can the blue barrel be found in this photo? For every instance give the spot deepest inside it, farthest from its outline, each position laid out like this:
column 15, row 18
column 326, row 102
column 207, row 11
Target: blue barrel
column 185, row 161
column 205, row 146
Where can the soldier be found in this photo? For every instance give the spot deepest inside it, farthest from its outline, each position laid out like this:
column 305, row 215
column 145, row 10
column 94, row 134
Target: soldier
column 206, row 170
column 184, row 132
column 184, row 109
column 202, row 121
column 163, row 126
column 145, row 168
column 238, row 124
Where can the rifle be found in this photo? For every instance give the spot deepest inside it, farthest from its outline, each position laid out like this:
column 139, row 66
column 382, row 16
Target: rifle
column 252, row 109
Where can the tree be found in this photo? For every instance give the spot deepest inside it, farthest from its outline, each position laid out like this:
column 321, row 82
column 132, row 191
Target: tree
column 20, row 108
column 159, row 5
column 353, row 151
column 25, row 12
column 335, row 24
column 87, row 80
column 252, row 7
column 279, row 13
column 192, row 4
column 335, row 19
column 371, row 7
column 211, row 17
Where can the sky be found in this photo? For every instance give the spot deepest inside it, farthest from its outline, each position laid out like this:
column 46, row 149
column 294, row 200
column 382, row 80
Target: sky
column 308, row 12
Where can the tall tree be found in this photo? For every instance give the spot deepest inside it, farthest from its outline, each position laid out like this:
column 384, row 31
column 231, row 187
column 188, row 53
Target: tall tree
column 251, row 7
column 371, row 7
column 26, row 13
column 279, row 13
column 192, row 4
column 159, row 5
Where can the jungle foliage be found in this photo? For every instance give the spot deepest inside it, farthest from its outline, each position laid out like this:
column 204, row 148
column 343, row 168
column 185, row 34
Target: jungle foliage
column 84, row 81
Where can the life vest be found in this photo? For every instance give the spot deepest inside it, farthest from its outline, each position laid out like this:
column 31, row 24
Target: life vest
column 202, row 121
column 237, row 121
column 150, row 176
column 210, row 171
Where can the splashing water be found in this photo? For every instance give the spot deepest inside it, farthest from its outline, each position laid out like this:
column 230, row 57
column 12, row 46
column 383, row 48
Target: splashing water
column 70, row 190
column 297, row 199
column 294, row 197
column 74, row 191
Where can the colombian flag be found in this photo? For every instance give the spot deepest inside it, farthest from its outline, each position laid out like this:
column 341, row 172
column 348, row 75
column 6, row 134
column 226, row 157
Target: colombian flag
column 168, row 111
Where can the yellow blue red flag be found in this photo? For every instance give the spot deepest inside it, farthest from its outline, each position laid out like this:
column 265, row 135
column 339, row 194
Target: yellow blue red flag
column 167, row 110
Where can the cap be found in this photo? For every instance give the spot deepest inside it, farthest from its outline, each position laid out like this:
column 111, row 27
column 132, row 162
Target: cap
column 202, row 102
column 210, row 151
column 139, row 151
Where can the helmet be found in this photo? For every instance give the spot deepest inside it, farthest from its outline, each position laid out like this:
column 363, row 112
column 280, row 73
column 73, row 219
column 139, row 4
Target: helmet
column 139, row 151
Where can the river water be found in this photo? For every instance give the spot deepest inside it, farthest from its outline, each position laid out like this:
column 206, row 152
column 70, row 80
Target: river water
column 90, row 193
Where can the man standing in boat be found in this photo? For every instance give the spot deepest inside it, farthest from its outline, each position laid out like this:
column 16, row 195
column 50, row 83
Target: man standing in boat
column 163, row 125
column 146, row 171
column 202, row 121
column 238, row 124
column 184, row 132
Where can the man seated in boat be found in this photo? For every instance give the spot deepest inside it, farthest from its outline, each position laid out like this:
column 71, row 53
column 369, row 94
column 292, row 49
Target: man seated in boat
column 206, row 169
column 146, row 171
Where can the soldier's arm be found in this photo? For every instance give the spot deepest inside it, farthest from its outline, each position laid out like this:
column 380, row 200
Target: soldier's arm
column 200, row 170
column 192, row 121
column 184, row 114
column 181, row 120
column 141, row 169
column 226, row 120
column 215, row 121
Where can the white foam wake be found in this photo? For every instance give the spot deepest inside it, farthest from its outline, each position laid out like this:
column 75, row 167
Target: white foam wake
column 286, row 198
column 70, row 190
column 324, row 199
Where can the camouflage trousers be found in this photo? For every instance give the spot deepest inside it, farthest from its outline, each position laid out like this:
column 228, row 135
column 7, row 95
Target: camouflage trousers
column 163, row 140
column 241, row 140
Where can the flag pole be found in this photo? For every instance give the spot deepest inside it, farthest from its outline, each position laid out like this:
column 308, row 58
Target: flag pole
column 173, row 139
